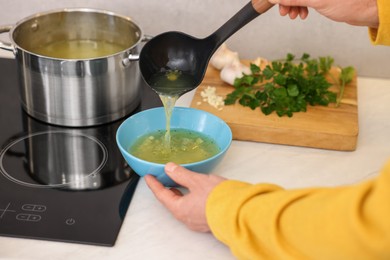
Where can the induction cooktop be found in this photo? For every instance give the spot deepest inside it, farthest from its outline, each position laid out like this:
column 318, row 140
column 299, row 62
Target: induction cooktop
column 60, row 183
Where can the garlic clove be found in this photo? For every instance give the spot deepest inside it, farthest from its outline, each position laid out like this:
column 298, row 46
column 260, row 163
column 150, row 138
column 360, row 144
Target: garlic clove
column 234, row 70
column 260, row 62
column 223, row 57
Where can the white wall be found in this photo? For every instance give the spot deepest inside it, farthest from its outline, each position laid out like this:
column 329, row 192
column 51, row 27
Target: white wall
column 269, row 35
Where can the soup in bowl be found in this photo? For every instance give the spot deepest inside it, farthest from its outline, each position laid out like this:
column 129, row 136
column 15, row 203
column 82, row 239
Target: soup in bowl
column 199, row 141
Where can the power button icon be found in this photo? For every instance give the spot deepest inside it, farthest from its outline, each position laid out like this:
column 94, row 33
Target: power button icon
column 70, row 221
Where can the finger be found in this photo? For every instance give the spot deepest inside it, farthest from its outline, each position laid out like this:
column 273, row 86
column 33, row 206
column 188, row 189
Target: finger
column 284, row 10
column 294, row 11
column 303, row 12
column 180, row 175
column 166, row 196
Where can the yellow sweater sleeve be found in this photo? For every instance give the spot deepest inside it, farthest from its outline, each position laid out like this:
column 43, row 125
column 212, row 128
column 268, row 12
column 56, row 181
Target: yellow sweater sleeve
column 381, row 35
column 264, row 221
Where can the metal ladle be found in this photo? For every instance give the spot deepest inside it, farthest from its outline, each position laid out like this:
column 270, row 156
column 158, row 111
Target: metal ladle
column 179, row 51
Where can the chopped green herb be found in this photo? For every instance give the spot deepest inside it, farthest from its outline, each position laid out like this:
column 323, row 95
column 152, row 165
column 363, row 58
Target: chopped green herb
column 346, row 76
column 288, row 86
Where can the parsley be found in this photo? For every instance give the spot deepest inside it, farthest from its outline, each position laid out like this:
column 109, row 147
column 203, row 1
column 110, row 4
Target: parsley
column 288, row 86
column 346, row 76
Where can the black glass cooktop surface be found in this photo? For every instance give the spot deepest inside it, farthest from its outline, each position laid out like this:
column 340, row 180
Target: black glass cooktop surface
column 60, row 183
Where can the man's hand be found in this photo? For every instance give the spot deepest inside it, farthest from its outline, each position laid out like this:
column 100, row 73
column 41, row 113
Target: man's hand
column 355, row 12
column 189, row 208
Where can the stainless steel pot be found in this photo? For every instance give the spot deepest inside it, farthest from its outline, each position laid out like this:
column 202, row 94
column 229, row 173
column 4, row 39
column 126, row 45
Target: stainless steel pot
column 76, row 91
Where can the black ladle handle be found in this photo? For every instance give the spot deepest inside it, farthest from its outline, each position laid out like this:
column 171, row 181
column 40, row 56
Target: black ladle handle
column 240, row 19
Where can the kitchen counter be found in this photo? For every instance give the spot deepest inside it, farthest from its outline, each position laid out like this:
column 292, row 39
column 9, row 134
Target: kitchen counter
column 150, row 232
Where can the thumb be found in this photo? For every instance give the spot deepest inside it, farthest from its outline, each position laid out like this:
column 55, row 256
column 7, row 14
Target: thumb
column 179, row 174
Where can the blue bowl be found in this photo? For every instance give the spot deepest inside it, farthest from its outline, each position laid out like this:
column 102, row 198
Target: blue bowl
column 153, row 119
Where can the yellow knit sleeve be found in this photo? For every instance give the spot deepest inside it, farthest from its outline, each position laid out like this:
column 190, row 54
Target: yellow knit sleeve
column 381, row 35
column 265, row 221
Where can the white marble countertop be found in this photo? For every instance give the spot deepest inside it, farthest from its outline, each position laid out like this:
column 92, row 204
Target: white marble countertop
column 150, row 232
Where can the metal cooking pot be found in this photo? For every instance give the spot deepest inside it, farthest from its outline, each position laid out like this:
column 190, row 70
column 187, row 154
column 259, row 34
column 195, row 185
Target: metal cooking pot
column 76, row 91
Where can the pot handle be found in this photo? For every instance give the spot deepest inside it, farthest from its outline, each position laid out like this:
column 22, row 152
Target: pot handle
column 4, row 45
column 135, row 56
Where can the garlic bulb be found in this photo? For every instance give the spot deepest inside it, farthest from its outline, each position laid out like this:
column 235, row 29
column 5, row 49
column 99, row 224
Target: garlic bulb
column 223, row 57
column 234, row 70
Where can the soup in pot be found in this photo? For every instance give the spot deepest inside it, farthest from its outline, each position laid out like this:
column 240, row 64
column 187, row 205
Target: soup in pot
column 78, row 49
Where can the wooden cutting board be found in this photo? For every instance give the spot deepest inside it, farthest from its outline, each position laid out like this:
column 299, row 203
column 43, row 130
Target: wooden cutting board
column 334, row 128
